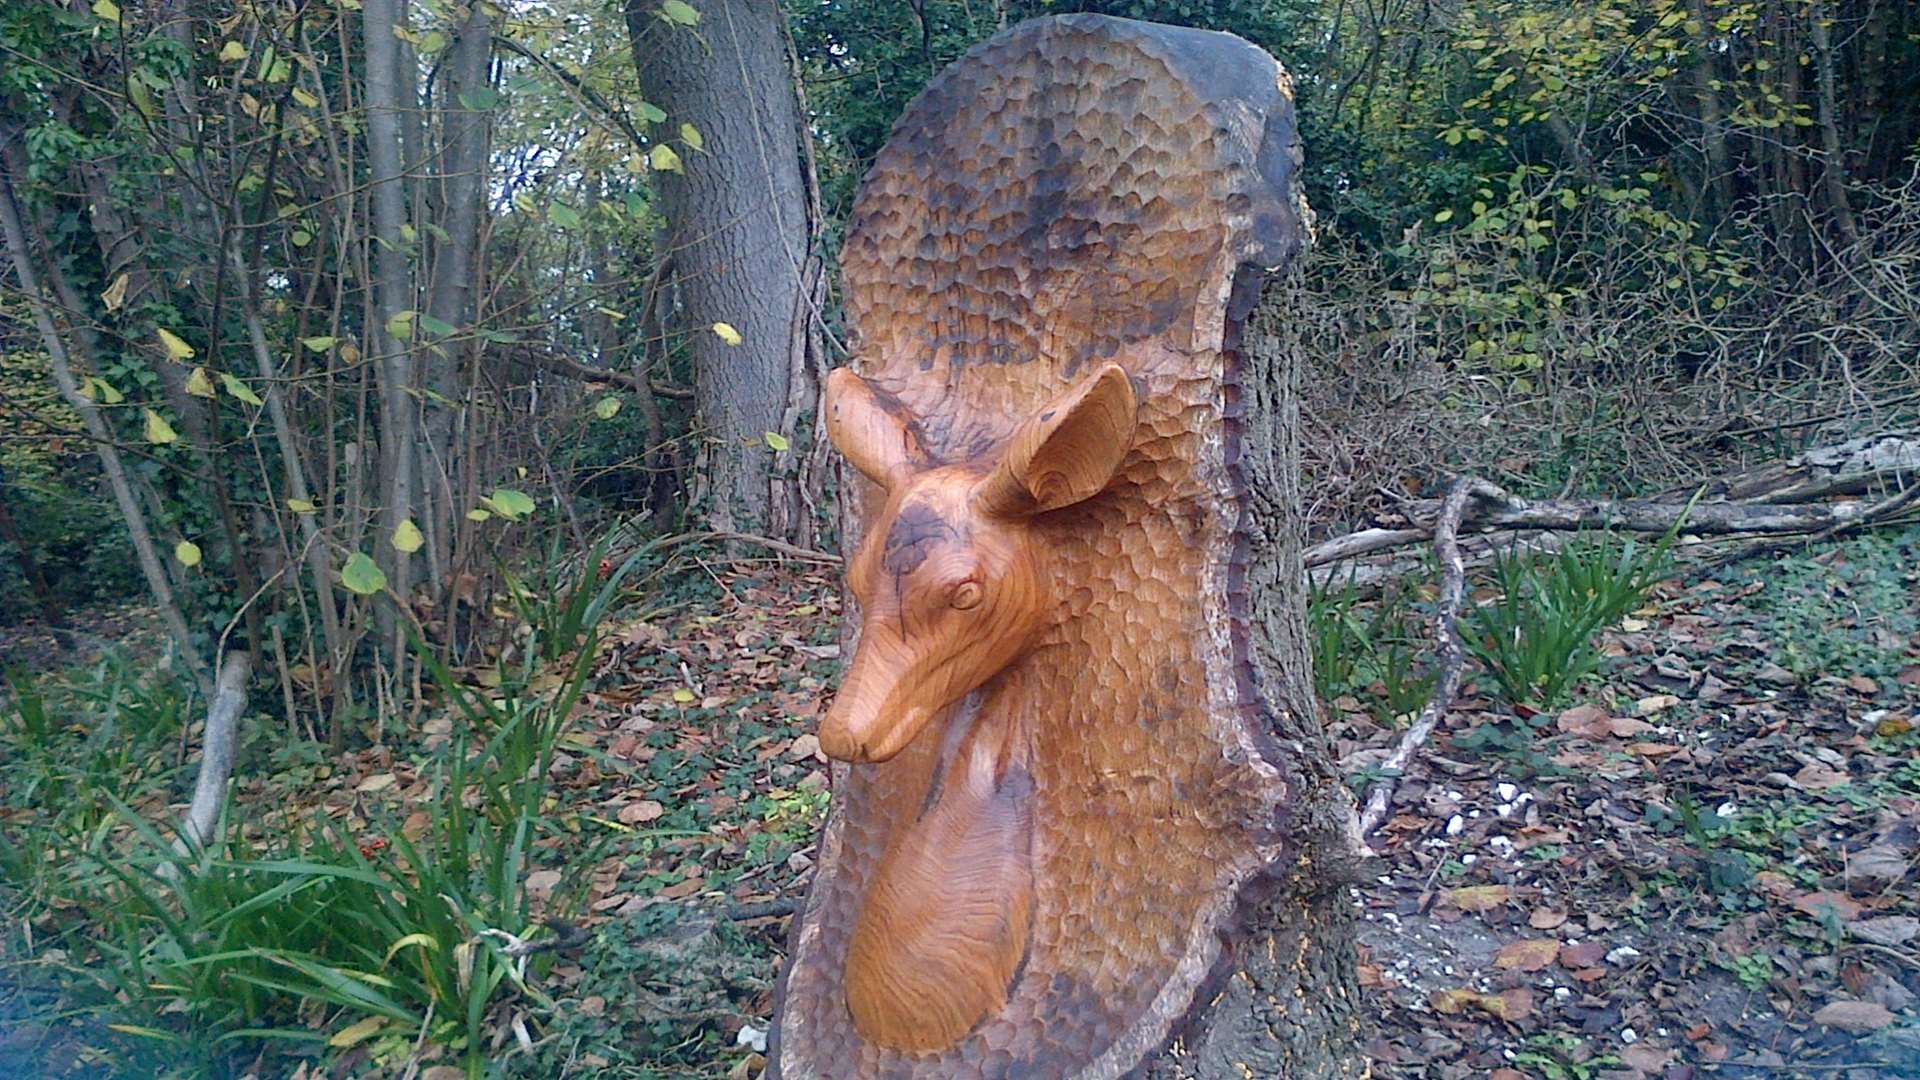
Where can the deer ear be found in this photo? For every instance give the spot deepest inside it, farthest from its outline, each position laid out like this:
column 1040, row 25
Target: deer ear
column 1067, row 451
column 872, row 429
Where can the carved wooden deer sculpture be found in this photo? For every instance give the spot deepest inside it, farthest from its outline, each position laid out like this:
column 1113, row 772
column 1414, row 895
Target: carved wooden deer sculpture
column 954, row 587
column 1057, row 777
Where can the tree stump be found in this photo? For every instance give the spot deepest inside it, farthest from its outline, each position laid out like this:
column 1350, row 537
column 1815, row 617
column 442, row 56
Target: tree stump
column 1083, row 821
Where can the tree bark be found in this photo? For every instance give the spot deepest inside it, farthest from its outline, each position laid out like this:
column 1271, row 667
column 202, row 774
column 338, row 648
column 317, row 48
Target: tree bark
column 736, row 228
column 465, row 132
column 385, row 94
column 1291, row 1006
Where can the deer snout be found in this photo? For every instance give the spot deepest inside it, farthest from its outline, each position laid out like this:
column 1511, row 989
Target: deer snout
column 872, row 718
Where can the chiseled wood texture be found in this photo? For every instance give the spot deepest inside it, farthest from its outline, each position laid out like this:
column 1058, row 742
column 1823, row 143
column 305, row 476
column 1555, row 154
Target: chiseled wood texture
column 1038, row 878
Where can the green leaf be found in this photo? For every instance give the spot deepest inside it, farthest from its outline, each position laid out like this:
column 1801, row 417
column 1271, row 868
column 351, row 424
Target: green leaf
column 650, row 113
column 304, row 99
column 727, row 333
column 401, row 326
column 407, row 538
column 510, row 504
column 1444, row 215
column 159, row 432
column 301, row 238
column 198, row 384
column 436, row 327
column 663, row 159
column 679, row 12
column 239, row 389
column 477, row 514
column 778, row 441
column 606, row 407
column 107, row 10
column 301, row 506
column 187, row 553
column 480, row 99
column 232, row 51
column 176, row 348
column 564, row 216
column 691, row 136
column 318, row 344
column 361, row 576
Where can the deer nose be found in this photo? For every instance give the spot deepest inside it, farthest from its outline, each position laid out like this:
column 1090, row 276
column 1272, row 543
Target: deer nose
column 861, row 732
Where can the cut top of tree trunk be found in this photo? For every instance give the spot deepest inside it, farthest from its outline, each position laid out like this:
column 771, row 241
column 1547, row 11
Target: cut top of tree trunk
column 1079, row 200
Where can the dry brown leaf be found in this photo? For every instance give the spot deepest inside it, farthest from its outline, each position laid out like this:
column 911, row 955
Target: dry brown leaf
column 1588, row 719
column 1529, row 954
column 639, row 813
column 1857, row 1017
column 1817, row 904
column 1587, row 954
column 1546, row 919
column 1480, row 897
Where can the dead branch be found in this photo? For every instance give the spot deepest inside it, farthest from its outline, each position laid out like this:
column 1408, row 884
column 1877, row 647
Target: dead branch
column 1451, row 655
column 201, row 825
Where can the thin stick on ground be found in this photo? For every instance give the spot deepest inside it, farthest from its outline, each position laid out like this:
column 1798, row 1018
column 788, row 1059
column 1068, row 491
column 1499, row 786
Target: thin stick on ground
column 1451, row 655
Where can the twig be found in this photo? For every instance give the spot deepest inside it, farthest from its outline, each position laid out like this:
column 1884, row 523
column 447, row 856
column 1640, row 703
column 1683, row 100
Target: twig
column 762, row 910
column 1451, row 657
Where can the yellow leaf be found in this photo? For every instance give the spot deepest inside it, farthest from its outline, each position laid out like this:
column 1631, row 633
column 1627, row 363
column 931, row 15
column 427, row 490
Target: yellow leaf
column 777, row 441
column 187, row 553
column 683, row 696
column 663, row 159
column 176, row 348
column 233, row 50
column 107, row 10
column 357, row 1033
column 159, row 432
column 477, row 514
column 425, row 941
column 407, row 538
column 727, row 333
column 301, row 506
column 198, row 384
column 116, row 293
column 304, row 98
column 691, row 136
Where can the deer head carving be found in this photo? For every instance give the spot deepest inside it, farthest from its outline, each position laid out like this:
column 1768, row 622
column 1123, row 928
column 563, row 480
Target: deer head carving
column 952, row 578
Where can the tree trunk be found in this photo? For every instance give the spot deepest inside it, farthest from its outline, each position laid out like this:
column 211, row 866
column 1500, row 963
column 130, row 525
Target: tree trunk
column 465, row 131
column 1291, row 1005
column 736, row 230
column 386, row 95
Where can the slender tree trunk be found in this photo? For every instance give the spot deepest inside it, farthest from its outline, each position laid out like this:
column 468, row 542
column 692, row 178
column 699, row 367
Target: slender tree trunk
column 736, row 230
column 465, row 131
column 1713, row 132
column 63, row 377
column 386, row 94
column 1833, row 169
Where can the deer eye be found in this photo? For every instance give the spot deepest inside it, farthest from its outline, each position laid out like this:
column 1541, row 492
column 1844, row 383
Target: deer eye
column 966, row 595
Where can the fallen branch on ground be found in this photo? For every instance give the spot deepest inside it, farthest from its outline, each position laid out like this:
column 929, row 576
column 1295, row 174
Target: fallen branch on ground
column 1772, row 500
column 1452, row 655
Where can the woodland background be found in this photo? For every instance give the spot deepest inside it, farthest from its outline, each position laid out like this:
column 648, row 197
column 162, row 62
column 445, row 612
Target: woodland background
column 374, row 348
